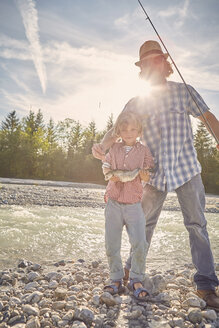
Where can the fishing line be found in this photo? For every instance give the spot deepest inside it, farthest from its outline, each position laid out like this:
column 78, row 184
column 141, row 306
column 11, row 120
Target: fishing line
column 193, row 98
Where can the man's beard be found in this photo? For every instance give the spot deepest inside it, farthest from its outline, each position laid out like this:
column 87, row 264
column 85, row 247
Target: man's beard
column 150, row 75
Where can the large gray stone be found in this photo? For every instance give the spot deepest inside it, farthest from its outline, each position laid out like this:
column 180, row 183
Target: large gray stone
column 59, row 305
column 78, row 324
column 84, row 314
column 33, row 323
column 30, row 310
column 34, row 297
column 33, row 276
column 108, row 299
column 158, row 324
column 159, row 283
column 209, row 314
column 68, row 316
column 60, row 293
column 195, row 315
column 31, row 285
column 148, row 284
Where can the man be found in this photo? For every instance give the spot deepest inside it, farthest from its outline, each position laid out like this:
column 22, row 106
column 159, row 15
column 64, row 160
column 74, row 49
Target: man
column 168, row 133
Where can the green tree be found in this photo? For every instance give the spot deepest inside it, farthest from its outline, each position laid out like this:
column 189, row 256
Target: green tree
column 47, row 160
column 109, row 123
column 74, row 152
column 75, row 138
column 90, row 135
column 208, row 158
column 11, row 123
column 33, row 144
column 64, row 132
column 10, row 144
column 51, row 134
column 39, row 120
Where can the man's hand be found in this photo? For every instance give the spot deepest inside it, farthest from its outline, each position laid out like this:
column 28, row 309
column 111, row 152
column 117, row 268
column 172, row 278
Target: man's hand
column 144, row 175
column 98, row 151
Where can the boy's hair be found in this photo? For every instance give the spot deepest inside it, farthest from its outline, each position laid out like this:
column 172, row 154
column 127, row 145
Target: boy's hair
column 127, row 117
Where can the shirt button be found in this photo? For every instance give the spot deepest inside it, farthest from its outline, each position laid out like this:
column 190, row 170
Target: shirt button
column 124, row 165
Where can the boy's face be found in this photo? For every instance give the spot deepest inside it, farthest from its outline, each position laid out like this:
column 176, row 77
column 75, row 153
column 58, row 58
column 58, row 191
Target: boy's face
column 129, row 132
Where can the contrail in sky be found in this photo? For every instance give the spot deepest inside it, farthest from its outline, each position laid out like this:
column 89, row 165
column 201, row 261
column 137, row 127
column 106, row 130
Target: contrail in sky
column 30, row 21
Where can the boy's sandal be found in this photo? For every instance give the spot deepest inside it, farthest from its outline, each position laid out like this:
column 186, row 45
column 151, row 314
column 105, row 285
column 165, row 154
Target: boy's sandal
column 138, row 291
column 114, row 289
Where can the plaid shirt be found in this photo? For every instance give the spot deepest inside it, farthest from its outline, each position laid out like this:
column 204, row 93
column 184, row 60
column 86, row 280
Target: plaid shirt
column 168, row 133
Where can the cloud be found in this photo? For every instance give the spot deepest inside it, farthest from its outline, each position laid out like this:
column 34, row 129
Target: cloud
column 14, row 77
column 85, row 69
column 30, row 21
column 13, row 49
column 197, row 67
column 79, row 78
column 180, row 13
column 6, row 41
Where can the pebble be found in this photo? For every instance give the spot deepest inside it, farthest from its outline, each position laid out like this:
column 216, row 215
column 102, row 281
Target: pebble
column 195, row 315
column 30, row 310
column 209, row 314
column 72, row 296
column 60, row 293
column 78, row 324
column 33, row 323
column 13, row 194
column 108, row 299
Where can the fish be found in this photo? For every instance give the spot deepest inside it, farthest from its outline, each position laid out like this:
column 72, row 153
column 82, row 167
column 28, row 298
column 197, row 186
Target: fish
column 123, row 175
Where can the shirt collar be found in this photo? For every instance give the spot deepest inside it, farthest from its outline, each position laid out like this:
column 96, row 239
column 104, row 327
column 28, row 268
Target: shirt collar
column 137, row 144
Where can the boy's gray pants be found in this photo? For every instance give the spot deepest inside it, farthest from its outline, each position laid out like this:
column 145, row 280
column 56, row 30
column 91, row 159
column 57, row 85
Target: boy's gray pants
column 132, row 216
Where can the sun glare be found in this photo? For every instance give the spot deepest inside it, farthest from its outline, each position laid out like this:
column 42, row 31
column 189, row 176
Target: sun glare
column 143, row 88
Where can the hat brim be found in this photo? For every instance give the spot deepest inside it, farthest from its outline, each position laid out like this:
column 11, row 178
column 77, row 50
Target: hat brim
column 138, row 63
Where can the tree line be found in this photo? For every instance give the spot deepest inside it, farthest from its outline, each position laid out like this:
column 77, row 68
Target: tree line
column 30, row 148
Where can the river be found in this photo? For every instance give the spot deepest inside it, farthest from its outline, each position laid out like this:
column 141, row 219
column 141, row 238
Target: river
column 43, row 234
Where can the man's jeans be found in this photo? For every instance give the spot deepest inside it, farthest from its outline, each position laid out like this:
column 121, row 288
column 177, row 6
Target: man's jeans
column 191, row 197
column 132, row 216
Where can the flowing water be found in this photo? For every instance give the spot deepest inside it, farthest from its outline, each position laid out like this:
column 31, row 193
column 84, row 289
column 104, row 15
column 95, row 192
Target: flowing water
column 41, row 234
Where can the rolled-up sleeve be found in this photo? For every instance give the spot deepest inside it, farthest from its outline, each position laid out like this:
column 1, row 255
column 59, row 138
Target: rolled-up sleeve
column 148, row 158
column 193, row 108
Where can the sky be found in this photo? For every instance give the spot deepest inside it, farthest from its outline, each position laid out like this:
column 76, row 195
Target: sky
column 75, row 58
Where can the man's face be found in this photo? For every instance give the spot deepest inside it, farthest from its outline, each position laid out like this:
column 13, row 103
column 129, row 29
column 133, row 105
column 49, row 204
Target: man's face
column 152, row 69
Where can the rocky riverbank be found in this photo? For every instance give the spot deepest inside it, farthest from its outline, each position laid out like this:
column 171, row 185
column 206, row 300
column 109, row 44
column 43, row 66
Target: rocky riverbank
column 75, row 195
column 70, row 294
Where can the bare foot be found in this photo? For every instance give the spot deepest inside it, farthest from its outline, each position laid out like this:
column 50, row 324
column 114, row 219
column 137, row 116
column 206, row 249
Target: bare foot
column 126, row 276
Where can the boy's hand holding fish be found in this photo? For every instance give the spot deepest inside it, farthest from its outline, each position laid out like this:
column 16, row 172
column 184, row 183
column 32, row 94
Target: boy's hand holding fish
column 124, row 176
column 145, row 175
column 114, row 178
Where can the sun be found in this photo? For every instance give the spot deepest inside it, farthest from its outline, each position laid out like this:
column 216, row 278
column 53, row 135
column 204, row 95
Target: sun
column 143, row 88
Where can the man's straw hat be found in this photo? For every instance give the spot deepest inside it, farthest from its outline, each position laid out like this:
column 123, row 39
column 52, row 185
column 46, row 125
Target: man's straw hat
column 150, row 49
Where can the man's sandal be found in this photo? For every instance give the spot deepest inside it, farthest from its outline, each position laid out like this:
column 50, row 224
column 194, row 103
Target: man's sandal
column 138, row 291
column 114, row 289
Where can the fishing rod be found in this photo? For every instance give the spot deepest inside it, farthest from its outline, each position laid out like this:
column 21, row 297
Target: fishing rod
column 193, row 98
